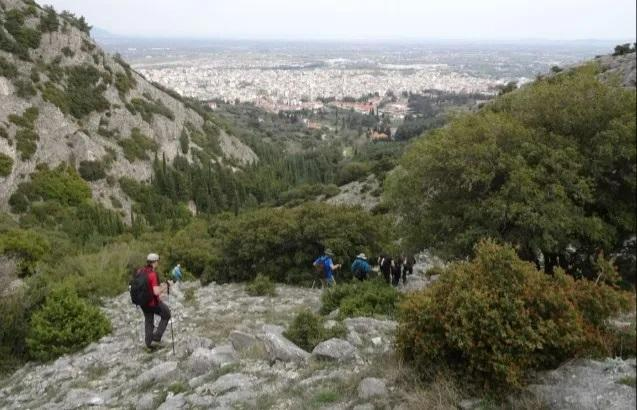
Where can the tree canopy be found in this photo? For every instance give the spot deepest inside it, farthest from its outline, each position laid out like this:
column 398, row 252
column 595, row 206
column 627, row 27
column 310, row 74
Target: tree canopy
column 549, row 168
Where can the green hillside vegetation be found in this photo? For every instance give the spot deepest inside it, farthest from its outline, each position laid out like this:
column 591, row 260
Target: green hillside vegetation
column 541, row 168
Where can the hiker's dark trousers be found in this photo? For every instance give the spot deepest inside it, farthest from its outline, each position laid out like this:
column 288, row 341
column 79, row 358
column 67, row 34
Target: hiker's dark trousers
column 160, row 310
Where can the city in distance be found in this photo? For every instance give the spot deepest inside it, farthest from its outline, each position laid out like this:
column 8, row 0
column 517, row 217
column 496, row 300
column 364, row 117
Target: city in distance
column 293, row 75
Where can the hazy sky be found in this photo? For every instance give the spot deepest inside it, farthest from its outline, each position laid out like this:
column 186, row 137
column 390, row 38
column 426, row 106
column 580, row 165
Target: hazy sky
column 361, row 19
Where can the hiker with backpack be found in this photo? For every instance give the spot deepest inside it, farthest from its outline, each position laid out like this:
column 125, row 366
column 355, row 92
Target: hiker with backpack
column 408, row 266
column 396, row 270
column 325, row 267
column 386, row 263
column 146, row 290
column 361, row 268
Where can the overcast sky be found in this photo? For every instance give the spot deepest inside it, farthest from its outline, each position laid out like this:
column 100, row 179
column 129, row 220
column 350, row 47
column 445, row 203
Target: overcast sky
column 361, row 19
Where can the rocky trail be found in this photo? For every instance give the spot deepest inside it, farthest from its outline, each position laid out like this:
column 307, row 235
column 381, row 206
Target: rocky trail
column 230, row 354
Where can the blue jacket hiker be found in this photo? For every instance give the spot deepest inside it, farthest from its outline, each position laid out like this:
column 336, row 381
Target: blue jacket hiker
column 325, row 265
column 361, row 268
column 176, row 273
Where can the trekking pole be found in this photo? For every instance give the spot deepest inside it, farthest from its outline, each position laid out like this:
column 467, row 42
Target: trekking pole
column 172, row 334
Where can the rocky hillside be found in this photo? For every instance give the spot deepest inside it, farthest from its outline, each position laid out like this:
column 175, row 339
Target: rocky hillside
column 230, row 354
column 63, row 99
column 620, row 67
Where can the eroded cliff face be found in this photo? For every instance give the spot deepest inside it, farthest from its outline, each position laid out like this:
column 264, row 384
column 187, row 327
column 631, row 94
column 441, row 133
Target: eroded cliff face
column 90, row 106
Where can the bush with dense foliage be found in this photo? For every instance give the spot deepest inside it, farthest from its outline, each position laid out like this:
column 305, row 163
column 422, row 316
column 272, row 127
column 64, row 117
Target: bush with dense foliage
column 261, row 286
column 308, row 330
column 27, row 246
column 493, row 319
column 137, row 146
column 542, row 167
column 368, row 298
column 6, row 165
column 283, row 243
column 92, row 170
column 64, row 324
column 61, row 184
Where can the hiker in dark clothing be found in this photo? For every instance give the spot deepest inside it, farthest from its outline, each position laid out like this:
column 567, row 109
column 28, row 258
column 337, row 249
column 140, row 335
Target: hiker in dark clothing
column 408, row 266
column 155, row 306
column 396, row 268
column 385, row 268
column 361, row 268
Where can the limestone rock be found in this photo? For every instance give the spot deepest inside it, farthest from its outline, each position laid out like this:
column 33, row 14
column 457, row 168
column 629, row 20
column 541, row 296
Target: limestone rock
column 204, row 360
column 241, row 340
column 280, row 348
column 334, row 349
column 371, row 387
column 146, row 402
column 161, row 372
column 588, row 385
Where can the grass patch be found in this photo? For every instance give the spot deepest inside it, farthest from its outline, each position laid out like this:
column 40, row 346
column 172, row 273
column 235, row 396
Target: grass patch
column 630, row 381
column 324, row 396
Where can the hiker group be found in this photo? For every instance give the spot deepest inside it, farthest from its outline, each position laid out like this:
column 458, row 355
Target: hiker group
column 391, row 269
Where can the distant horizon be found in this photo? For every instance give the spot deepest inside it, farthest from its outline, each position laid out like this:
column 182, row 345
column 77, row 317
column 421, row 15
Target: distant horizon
column 530, row 40
column 361, row 20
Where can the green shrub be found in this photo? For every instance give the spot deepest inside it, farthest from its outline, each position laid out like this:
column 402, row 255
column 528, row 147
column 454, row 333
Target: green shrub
column 25, row 245
column 85, row 90
column 352, row 172
column 495, row 318
column 261, row 286
column 55, row 96
column 308, row 330
column 64, row 324
column 184, row 142
column 137, row 145
column 24, row 88
column 124, row 82
column 6, row 165
column 148, row 108
column 368, row 298
column 24, row 36
column 193, row 247
column 4, row 133
column 26, row 143
column 49, row 20
column 77, row 22
column 104, row 273
column 7, row 69
column 92, row 170
column 282, row 243
column 27, row 119
column 68, row 52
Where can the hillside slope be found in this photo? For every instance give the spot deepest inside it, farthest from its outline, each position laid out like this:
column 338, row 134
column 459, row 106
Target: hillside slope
column 63, row 99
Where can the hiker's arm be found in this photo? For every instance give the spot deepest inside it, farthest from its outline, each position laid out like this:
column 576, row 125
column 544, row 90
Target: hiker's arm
column 159, row 290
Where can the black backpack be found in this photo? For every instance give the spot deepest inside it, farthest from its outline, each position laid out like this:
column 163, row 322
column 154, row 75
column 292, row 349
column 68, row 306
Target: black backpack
column 139, row 289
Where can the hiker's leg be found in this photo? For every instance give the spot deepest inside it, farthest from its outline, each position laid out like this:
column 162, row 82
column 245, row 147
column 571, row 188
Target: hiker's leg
column 164, row 312
column 149, row 326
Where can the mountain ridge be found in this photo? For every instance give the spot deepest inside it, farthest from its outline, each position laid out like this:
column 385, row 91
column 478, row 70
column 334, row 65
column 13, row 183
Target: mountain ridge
column 91, row 107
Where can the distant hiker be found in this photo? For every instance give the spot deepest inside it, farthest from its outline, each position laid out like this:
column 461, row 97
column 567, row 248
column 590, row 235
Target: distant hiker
column 396, row 269
column 145, row 292
column 325, row 267
column 385, row 268
column 176, row 274
column 408, row 266
column 361, row 268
